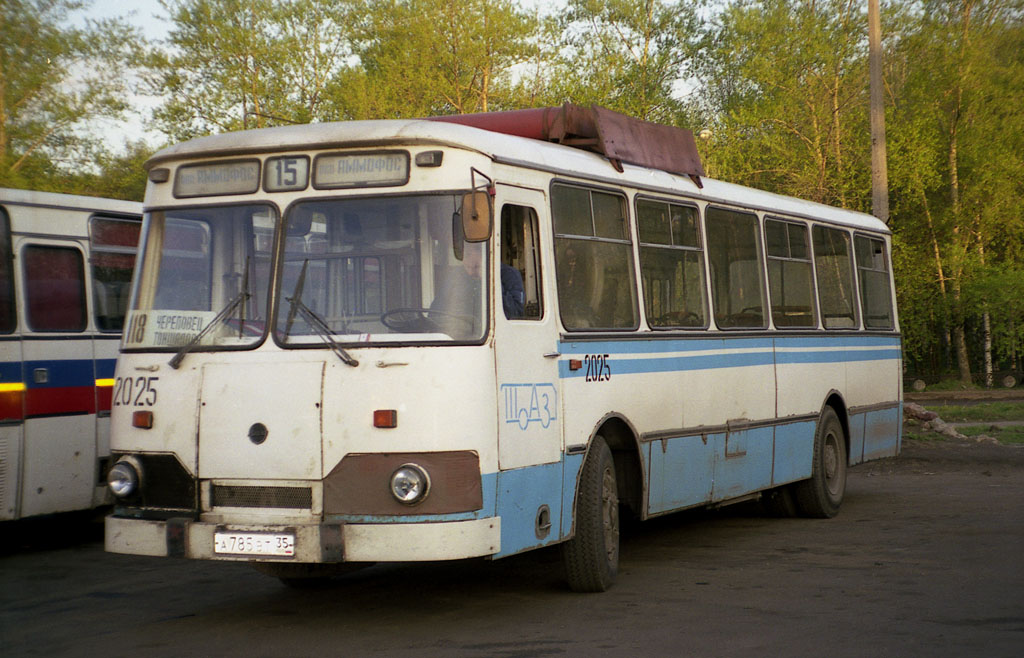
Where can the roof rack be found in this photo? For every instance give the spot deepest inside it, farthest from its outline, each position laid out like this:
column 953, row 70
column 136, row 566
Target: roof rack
column 618, row 137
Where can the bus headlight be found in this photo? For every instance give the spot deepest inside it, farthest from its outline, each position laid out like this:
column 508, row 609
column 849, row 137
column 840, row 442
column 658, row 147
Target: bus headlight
column 124, row 477
column 410, row 484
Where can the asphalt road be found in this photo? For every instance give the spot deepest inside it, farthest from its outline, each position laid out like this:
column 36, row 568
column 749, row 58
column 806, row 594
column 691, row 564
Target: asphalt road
column 926, row 558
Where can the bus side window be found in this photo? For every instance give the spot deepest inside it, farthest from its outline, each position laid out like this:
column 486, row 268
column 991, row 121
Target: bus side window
column 834, row 269
column 520, row 264
column 875, row 291
column 790, row 281
column 8, row 315
column 671, row 265
column 737, row 284
column 112, row 258
column 54, row 288
column 593, row 259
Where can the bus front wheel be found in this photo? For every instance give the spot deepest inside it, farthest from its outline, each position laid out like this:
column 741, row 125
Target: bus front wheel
column 591, row 557
column 821, row 496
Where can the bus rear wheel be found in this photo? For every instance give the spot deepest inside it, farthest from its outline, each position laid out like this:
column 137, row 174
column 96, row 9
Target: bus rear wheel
column 822, row 495
column 591, row 557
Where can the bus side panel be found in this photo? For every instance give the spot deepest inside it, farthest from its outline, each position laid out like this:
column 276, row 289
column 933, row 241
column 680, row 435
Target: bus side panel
column 681, row 472
column 523, row 495
column 744, row 462
column 105, row 359
column 59, row 464
column 572, row 466
column 856, row 438
column 12, row 428
column 806, row 370
column 882, row 433
column 60, row 426
column 794, row 452
column 10, row 470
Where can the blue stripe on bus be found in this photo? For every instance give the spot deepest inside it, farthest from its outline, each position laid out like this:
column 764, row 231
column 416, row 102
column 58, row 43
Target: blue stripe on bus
column 830, row 356
column 655, row 345
column 105, row 368
column 59, row 372
column 728, row 360
column 10, row 372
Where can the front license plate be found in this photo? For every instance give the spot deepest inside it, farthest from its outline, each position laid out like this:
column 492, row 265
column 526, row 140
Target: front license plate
column 275, row 544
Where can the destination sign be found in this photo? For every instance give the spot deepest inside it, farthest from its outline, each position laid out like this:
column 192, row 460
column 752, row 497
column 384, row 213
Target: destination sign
column 361, row 169
column 236, row 177
column 164, row 328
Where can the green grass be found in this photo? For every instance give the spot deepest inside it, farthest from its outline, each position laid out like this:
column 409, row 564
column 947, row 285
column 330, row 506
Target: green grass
column 912, row 433
column 983, row 411
column 1013, row 434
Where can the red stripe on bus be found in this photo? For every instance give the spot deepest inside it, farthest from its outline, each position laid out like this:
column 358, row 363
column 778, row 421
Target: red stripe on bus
column 104, row 397
column 12, row 405
column 57, row 400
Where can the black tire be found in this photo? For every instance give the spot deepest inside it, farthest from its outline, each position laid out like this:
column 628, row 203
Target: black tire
column 822, row 495
column 591, row 557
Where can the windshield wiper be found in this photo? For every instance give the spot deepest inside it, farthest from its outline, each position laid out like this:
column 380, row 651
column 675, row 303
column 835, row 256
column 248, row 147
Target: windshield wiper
column 296, row 294
column 317, row 323
column 217, row 319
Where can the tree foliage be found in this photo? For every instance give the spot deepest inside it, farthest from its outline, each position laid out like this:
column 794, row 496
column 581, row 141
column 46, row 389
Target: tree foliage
column 627, row 56
column 778, row 89
column 786, row 83
column 239, row 64
column 435, row 57
column 54, row 80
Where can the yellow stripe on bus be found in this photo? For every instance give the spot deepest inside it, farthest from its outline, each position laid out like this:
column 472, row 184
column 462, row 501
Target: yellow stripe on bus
column 15, row 387
column 104, row 382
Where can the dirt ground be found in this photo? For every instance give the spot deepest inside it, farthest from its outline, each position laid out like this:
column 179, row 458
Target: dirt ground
column 942, row 455
column 925, row 559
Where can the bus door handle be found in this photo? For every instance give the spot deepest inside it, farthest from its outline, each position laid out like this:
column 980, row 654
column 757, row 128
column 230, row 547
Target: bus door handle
column 552, row 355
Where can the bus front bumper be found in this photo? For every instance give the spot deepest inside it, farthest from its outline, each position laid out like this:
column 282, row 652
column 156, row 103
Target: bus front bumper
column 328, row 542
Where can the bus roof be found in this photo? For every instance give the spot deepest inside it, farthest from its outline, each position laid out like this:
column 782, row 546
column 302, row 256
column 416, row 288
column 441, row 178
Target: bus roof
column 36, row 199
column 508, row 149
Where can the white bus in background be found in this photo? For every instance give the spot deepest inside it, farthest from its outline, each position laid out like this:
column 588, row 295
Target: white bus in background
column 65, row 272
column 419, row 340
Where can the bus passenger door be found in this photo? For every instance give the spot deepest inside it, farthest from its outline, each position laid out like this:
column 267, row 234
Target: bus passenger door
column 529, row 486
column 12, row 387
column 59, row 459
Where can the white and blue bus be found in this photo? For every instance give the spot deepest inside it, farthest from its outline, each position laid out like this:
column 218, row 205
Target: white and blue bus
column 427, row 340
column 65, row 273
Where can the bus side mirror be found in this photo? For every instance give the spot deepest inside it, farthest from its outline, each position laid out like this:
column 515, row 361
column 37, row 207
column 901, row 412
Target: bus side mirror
column 477, row 216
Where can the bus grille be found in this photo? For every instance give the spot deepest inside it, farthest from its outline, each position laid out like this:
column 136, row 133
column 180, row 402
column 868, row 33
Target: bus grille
column 274, row 497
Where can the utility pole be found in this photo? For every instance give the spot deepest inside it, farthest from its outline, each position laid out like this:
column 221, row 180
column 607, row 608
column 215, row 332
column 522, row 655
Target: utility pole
column 879, row 169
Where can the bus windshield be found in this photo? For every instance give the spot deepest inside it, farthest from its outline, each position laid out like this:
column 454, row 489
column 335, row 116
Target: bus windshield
column 204, row 278
column 391, row 269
